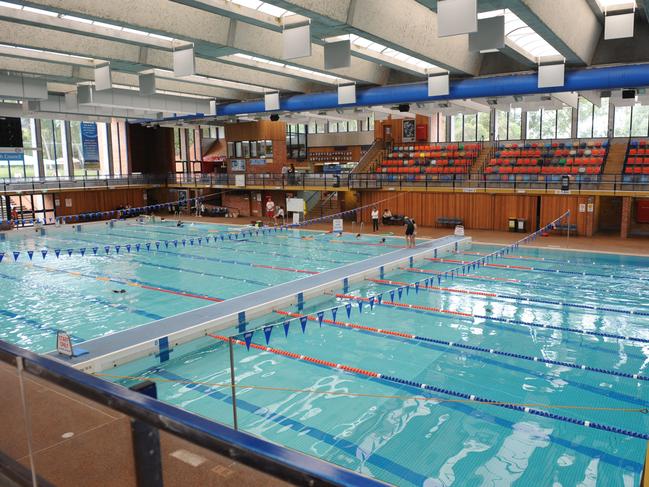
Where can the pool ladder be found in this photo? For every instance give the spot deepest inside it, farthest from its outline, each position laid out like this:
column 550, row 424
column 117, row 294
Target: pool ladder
column 360, row 230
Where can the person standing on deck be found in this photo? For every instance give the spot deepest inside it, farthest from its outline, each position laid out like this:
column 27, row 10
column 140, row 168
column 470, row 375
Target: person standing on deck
column 375, row 219
column 411, row 231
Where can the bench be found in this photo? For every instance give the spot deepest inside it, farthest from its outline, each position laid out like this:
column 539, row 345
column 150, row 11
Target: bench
column 445, row 221
column 563, row 227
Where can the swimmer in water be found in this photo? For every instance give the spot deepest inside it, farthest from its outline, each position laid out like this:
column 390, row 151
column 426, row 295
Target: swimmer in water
column 119, row 291
column 383, row 240
column 358, row 235
column 179, row 223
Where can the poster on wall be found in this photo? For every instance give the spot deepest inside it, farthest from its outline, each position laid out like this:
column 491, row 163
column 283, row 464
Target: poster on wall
column 258, row 162
column 89, row 142
column 408, row 131
column 238, row 165
column 182, row 197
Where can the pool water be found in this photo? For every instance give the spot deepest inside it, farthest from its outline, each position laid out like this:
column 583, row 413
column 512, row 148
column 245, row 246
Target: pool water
column 77, row 293
column 410, row 436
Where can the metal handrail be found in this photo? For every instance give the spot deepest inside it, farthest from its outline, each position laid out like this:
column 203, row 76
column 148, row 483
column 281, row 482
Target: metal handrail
column 262, row 455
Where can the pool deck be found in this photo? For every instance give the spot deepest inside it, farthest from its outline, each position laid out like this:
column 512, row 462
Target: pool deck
column 159, row 336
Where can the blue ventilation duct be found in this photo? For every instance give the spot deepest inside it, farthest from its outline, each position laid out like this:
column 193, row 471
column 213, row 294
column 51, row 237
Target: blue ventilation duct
column 606, row 78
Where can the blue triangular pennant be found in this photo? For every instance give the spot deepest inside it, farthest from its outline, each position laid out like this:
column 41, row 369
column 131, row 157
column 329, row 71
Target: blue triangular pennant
column 287, row 324
column 303, row 323
column 392, row 295
column 199, row 240
column 157, row 245
column 70, row 252
column 267, row 332
column 43, row 253
column 82, row 251
column 137, row 247
column 128, row 248
column 360, row 306
column 400, row 292
column 348, row 308
column 30, row 254
column 57, row 252
column 320, row 315
column 416, row 288
column 16, row 255
column 379, row 299
column 371, row 302
column 248, row 338
column 175, row 243
column 107, row 249
column 222, row 237
column 117, row 247
column 191, row 242
column 334, row 312
column 184, row 242
column 94, row 250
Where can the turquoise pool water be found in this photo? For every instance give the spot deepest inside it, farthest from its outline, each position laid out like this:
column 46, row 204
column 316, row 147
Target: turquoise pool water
column 412, row 437
column 76, row 293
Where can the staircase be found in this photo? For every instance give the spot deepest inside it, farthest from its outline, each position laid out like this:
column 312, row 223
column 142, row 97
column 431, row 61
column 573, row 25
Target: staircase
column 311, row 199
column 616, row 156
column 480, row 162
column 328, row 205
column 370, row 158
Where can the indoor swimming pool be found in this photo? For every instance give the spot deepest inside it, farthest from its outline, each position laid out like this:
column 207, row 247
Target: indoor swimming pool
column 110, row 278
column 395, row 387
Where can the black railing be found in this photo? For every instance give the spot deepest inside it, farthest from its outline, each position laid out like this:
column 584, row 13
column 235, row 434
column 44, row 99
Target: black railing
column 90, row 182
column 577, row 183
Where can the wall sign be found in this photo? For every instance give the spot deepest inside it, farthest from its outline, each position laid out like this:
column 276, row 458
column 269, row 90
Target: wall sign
column 89, row 142
column 68, row 202
column 408, row 130
column 258, row 162
column 238, row 165
column 591, row 207
column 582, row 207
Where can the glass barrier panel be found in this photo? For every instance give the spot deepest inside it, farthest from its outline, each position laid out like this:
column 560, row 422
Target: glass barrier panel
column 184, row 463
column 14, row 447
column 76, row 441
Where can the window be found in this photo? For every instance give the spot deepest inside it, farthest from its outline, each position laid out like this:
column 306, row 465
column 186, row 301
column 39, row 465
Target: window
column 470, row 127
column 483, row 126
column 533, row 125
column 508, row 124
column 296, row 141
column 622, row 123
column 29, row 145
column 118, row 146
column 33, row 207
column 55, row 150
column 548, row 124
column 600, row 119
column 564, row 123
column 352, row 125
column 456, row 128
column 104, row 156
column 592, row 121
column 584, row 119
column 640, row 121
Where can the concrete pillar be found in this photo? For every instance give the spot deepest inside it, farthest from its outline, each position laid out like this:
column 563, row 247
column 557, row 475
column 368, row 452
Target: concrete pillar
column 626, row 216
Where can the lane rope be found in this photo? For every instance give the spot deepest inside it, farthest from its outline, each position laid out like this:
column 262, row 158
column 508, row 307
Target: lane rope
column 449, row 392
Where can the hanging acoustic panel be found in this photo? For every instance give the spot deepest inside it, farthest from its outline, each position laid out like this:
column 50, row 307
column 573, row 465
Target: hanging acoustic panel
column 455, row 17
column 618, row 26
column 338, row 54
column 271, row 101
column 490, row 36
column 438, row 85
column 102, row 78
column 346, row 94
column 551, row 75
column 297, row 42
column 147, row 84
column 184, row 62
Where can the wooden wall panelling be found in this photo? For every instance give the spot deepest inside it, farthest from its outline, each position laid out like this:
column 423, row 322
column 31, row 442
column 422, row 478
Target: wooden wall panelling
column 92, row 201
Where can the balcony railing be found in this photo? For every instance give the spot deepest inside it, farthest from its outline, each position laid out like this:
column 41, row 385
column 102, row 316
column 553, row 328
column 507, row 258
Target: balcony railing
column 586, row 183
column 76, row 182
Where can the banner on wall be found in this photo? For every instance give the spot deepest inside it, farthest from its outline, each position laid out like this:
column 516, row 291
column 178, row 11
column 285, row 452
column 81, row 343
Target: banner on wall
column 238, row 165
column 408, row 130
column 11, row 154
column 89, row 142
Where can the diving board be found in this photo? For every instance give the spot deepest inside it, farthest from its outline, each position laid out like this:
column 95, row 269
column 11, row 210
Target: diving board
column 159, row 336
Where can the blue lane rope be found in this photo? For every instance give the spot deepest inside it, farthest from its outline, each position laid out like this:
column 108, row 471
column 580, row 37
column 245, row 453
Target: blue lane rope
column 546, row 301
column 471, row 316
